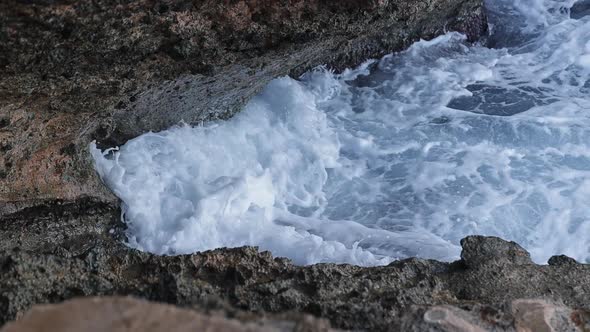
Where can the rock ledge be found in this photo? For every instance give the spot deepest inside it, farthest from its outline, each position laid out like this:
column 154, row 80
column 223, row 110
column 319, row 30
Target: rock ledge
column 404, row 294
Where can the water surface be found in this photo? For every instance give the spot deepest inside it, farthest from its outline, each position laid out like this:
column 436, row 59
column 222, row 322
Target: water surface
column 400, row 157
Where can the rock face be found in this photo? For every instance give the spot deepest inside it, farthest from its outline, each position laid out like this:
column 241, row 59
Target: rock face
column 108, row 70
column 488, row 288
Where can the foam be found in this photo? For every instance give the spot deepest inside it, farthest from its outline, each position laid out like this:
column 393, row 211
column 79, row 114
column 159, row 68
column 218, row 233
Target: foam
column 400, row 157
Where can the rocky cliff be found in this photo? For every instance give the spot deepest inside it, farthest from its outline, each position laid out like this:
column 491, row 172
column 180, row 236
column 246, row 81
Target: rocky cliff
column 495, row 286
column 108, row 70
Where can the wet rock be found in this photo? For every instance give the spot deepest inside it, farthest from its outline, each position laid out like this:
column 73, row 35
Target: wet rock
column 580, row 9
column 130, row 314
column 530, row 315
column 73, row 72
column 120, row 314
column 76, row 71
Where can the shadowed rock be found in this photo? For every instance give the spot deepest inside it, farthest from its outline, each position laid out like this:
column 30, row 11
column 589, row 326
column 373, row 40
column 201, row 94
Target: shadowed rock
column 580, row 9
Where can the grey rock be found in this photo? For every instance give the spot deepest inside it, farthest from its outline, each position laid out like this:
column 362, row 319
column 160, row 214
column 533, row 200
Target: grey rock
column 243, row 279
column 480, row 250
column 561, row 260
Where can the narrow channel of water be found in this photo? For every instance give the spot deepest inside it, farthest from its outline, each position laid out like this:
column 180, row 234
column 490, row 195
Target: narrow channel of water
column 400, row 157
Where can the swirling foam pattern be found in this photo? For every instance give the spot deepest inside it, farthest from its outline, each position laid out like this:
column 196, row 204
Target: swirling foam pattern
column 399, row 157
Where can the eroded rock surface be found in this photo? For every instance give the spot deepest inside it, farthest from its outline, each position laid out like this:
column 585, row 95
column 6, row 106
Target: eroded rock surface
column 481, row 288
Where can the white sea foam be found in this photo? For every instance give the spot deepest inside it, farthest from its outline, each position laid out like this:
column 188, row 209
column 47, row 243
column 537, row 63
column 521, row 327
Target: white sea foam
column 397, row 158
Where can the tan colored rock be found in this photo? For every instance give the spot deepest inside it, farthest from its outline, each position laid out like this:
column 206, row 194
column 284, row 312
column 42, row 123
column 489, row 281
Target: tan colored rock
column 533, row 315
column 125, row 314
column 541, row 316
column 448, row 320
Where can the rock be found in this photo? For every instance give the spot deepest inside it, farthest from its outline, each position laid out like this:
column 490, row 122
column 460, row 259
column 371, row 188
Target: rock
column 521, row 315
column 244, row 280
column 481, row 250
column 561, row 260
column 120, row 314
column 580, row 9
column 449, row 319
column 73, row 72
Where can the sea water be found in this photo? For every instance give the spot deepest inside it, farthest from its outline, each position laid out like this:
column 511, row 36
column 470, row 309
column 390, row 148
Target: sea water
column 399, row 157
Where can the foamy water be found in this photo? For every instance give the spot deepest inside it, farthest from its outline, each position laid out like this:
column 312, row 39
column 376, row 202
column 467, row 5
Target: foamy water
column 400, row 157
